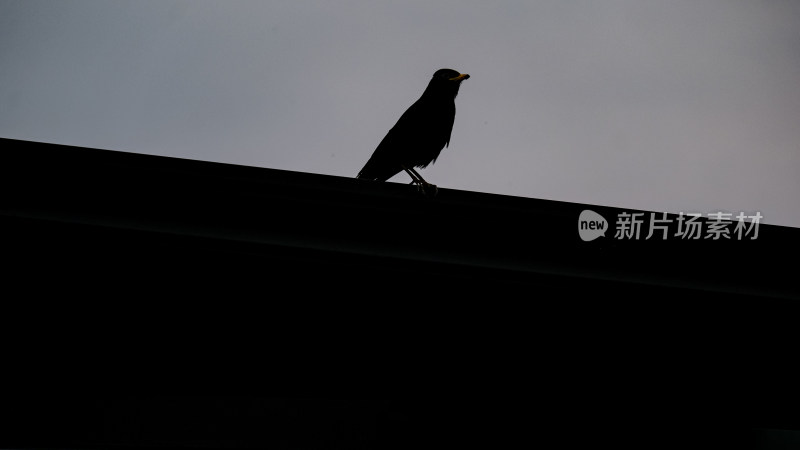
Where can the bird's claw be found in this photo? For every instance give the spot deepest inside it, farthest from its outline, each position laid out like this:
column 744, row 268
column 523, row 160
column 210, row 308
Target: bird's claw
column 427, row 189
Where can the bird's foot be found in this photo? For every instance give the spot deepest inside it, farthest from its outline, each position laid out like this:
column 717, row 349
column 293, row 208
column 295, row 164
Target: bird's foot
column 427, row 189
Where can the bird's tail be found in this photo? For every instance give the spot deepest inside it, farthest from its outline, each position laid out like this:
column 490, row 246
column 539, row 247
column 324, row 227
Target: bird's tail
column 372, row 171
column 377, row 172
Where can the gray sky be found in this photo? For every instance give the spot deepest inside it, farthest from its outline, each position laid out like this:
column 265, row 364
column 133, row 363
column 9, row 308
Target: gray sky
column 668, row 105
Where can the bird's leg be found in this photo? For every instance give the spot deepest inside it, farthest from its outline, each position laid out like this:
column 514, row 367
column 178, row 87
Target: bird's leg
column 415, row 178
column 421, row 181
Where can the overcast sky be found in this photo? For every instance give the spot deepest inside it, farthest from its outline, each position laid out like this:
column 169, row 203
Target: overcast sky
column 668, row 105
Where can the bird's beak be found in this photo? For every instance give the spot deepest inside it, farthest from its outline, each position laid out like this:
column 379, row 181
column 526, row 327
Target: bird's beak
column 461, row 77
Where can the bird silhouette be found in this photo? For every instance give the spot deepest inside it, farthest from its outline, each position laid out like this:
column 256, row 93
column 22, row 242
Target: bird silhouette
column 420, row 134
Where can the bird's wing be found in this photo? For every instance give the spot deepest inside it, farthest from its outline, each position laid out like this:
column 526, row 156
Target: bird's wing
column 421, row 128
column 450, row 128
column 384, row 162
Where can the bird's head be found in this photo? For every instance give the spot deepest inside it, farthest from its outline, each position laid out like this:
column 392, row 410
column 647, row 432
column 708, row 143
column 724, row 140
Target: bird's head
column 445, row 82
column 449, row 75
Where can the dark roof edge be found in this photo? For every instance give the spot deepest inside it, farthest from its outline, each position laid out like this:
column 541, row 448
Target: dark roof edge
column 270, row 207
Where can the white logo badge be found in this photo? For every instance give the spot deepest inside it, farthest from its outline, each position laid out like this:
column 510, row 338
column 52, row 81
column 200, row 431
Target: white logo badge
column 591, row 225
